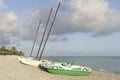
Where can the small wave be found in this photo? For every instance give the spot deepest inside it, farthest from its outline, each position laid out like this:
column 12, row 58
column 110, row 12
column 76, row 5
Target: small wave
column 113, row 72
column 106, row 71
column 102, row 70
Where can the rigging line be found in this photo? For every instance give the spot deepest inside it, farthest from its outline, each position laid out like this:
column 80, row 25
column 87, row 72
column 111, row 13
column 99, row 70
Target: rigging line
column 35, row 37
column 44, row 32
column 49, row 31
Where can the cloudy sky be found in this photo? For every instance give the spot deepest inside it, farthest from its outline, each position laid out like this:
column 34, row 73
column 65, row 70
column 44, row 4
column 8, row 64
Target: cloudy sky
column 81, row 28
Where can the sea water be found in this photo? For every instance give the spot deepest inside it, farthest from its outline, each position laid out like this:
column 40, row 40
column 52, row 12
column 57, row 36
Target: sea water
column 107, row 64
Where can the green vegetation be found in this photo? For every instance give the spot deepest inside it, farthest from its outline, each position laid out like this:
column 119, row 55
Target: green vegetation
column 13, row 51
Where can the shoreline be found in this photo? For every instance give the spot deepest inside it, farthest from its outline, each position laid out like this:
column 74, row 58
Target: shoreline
column 108, row 72
column 12, row 69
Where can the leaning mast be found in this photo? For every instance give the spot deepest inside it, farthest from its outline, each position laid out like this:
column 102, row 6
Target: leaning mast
column 43, row 36
column 35, row 37
column 49, row 31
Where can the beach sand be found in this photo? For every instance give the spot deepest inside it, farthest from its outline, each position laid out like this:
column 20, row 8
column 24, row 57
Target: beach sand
column 12, row 69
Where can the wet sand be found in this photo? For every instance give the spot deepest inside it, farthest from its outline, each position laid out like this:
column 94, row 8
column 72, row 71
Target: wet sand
column 12, row 69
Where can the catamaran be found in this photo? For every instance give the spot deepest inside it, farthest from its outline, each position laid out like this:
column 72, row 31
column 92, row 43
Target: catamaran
column 68, row 69
column 35, row 61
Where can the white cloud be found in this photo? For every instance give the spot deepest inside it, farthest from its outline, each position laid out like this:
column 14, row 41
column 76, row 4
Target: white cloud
column 8, row 26
column 94, row 16
column 88, row 16
column 8, row 22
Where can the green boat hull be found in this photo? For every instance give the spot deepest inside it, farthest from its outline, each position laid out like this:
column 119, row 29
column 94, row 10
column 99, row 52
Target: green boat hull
column 68, row 72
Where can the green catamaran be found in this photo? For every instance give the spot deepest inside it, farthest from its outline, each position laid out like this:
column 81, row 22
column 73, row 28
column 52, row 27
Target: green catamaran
column 68, row 69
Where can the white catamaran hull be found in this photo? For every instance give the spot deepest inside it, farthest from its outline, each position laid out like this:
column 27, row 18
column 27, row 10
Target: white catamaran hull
column 32, row 61
column 29, row 61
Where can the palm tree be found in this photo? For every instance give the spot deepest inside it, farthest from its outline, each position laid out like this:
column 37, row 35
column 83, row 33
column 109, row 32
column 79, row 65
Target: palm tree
column 21, row 53
column 14, row 50
column 3, row 48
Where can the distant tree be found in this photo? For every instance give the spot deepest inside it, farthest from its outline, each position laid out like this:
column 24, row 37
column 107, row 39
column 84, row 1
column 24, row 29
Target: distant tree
column 21, row 53
column 14, row 50
column 3, row 48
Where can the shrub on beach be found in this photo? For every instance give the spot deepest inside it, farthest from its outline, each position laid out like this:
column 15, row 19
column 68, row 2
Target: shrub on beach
column 13, row 51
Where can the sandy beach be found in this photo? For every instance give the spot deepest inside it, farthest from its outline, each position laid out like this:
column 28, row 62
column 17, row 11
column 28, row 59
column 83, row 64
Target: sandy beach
column 12, row 69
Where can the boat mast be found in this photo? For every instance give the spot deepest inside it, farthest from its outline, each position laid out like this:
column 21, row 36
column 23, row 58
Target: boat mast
column 49, row 31
column 44, row 32
column 35, row 37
